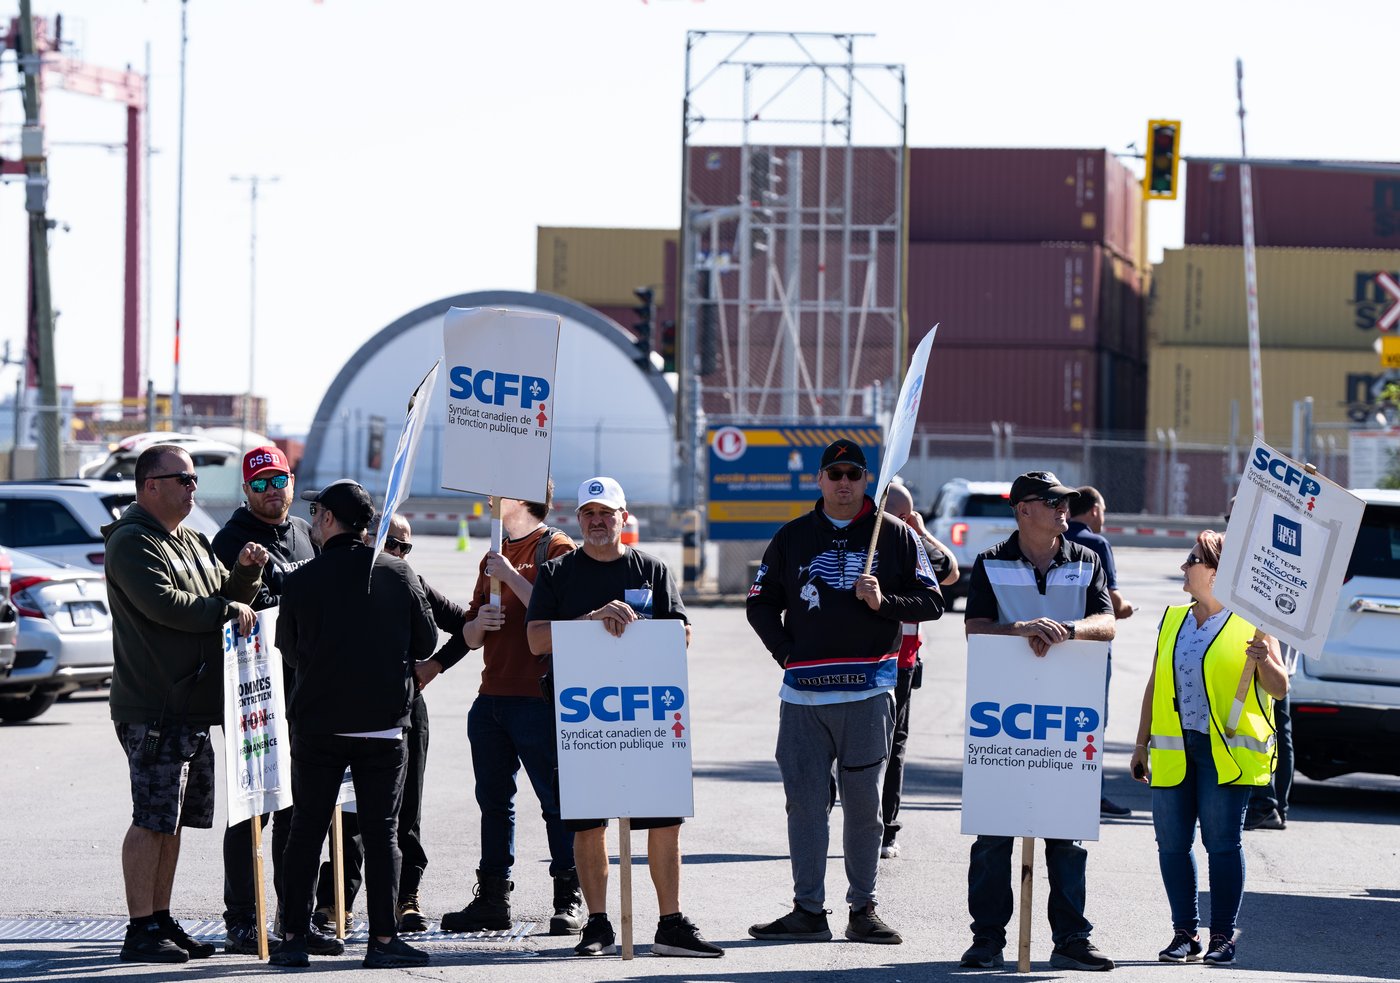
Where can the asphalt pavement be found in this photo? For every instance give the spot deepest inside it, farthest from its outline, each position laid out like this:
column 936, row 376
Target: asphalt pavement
column 1322, row 897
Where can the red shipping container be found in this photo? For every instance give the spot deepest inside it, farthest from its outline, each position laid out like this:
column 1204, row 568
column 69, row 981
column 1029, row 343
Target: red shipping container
column 1057, row 295
column 1342, row 210
column 981, row 195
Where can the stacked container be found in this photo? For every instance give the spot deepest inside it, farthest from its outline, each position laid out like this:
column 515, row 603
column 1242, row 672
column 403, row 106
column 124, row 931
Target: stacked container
column 1027, row 259
column 602, row 267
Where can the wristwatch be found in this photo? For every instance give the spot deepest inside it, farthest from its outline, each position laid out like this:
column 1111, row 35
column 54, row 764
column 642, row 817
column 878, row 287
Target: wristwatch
column 1069, row 627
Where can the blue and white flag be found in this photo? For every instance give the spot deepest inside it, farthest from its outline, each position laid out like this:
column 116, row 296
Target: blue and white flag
column 401, row 471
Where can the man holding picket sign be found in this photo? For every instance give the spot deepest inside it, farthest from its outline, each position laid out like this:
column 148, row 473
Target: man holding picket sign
column 1038, row 586
column 619, row 586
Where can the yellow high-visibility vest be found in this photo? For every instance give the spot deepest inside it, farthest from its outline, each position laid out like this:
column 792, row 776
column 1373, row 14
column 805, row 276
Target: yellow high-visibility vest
column 1249, row 757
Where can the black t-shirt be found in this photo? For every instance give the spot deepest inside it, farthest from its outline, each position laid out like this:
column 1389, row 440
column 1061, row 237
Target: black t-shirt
column 574, row 584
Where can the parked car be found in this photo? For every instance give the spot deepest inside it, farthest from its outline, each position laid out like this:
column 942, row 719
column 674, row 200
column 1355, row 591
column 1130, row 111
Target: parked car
column 970, row 516
column 219, row 463
column 1346, row 698
column 61, row 519
column 64, row 635
column 8, row 626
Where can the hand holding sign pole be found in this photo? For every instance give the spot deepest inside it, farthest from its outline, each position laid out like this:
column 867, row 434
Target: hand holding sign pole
column 901, row 435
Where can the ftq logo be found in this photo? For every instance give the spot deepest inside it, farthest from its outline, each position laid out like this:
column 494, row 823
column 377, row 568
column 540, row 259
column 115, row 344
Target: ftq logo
column 614, row 703
column 1308, row 487
column 494, row 388
column 1288, row 536
column 1025, row 722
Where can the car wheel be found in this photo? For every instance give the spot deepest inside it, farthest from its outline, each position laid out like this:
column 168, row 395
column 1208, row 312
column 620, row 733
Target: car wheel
column 17, row 708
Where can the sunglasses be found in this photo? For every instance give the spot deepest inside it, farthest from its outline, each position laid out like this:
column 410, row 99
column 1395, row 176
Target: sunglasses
column 849, row 474
column 1053, row 502
column 278, row 481
column 1192, row 559
column 315, row 507
column 397, row 546
column 185, row 478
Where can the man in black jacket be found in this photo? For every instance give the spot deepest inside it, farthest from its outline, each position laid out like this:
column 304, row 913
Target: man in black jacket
column 268, row 486
column 835, row 630
column 352, row 625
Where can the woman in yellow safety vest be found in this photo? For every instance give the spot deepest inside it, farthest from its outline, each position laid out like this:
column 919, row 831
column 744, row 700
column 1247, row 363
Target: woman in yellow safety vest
column 1200, row 767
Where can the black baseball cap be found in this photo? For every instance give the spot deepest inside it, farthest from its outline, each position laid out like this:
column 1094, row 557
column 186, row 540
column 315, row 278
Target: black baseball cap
column 1039, row 484
column 844, row 451
column 346, row 500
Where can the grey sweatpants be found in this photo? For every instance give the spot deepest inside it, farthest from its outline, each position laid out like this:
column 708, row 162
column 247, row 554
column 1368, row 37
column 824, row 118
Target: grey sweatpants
column 856, row 738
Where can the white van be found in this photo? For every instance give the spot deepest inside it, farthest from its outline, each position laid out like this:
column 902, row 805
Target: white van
column 220, row 467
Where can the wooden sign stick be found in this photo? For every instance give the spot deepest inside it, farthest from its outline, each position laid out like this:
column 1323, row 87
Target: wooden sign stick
column 875, row 536
column 624, row 877
column 1023, row 946
column 338, row 872
column 497, row 534
column 260, row 887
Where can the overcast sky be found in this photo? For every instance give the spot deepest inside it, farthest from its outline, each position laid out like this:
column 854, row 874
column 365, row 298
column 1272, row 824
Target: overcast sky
column 419, row 143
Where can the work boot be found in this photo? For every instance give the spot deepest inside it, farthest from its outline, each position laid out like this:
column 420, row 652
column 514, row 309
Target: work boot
column 410, row 917
column 490, row 909
column 568, row 905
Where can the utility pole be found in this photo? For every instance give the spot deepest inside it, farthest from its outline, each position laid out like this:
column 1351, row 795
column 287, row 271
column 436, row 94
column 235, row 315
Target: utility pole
column 50, row 439
column 252, row 180
column 176, row 409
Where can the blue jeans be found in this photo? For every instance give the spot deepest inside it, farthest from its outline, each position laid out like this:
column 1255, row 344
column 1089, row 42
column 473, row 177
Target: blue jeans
column 989, row 897
column 1220, row 810
column 506, row 732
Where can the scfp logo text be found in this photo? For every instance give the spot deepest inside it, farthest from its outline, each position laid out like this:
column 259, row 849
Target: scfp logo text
column 1025, row 721
column 1286, row 473
column 494, row 388
column 614, row 703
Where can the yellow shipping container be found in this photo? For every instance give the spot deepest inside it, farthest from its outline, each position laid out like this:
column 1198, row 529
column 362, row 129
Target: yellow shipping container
column 1189, row 389
column 1308, row 298
column 601, row 266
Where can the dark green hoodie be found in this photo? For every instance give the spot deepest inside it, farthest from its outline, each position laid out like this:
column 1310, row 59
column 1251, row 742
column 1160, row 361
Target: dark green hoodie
column 170, row 598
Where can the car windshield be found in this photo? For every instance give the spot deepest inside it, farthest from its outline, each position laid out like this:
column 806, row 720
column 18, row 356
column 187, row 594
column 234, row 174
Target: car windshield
column 1377, row 550
column 987, row 507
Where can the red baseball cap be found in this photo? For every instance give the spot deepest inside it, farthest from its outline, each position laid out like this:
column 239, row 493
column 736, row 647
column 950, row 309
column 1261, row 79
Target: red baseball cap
column 261, row 459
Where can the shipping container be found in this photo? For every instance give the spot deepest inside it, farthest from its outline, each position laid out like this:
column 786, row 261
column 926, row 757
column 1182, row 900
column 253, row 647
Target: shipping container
column 1344, row 210
column 1015, row 195
column 1190, row 389
column 1308, row 298
column 1055, row 295
column 716, row 180
column 603, row 266
column 1054, row 390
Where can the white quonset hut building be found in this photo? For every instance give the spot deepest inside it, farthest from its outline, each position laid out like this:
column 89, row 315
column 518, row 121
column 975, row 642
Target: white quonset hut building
column 612, row 415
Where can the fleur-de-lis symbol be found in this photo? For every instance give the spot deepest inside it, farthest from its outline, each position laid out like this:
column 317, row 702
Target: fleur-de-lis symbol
column 1082, row 719
column 668, row 698
column 535, row 389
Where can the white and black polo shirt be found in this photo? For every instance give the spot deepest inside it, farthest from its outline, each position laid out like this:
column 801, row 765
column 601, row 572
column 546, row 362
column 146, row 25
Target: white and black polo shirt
column 1007, row 587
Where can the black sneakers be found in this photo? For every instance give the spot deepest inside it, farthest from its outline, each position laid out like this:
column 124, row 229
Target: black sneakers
column 1221, row 951
column 1185, row 948
column 176, row 934
column 147, row 943
column 242, row 938
column 598, row 938
column 318, row 943
column 568, row 905
column 677, row 935
column 1082, row 955
column 1273, row 819
column 866, row 926
column 393, row 954
column 1107, row 807
column 982, row 954
column 290, row 954
column 798, row 925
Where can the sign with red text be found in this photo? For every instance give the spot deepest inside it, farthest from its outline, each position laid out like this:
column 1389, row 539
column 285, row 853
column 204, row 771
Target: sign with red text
column 1033, row 738
column 623, row 720
column 257, row 746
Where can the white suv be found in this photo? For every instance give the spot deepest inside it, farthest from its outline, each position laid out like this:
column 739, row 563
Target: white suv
column 1346, row 698
column 970, row 517
column 61, row 519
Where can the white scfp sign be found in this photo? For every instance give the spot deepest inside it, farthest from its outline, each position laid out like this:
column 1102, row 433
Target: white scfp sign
column 622, row 714
column 500, row 401
column 1033, row 738
column 257, row 748
column 1287, row 547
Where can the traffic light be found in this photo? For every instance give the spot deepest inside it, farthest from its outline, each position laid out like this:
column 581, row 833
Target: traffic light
column 668, row 346
column 645, row 311
column 1163, row 153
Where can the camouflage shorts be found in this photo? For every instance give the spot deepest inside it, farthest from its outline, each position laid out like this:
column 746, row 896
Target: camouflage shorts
column 168, row 792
